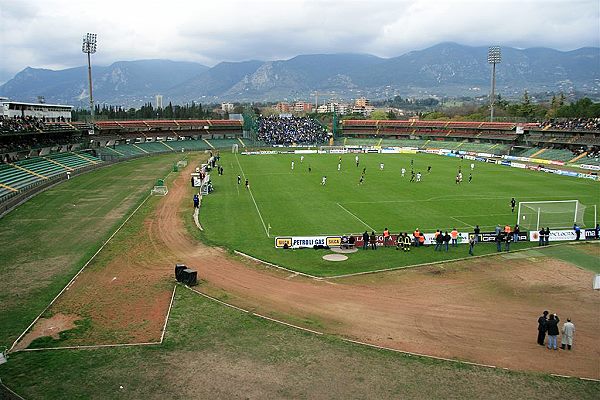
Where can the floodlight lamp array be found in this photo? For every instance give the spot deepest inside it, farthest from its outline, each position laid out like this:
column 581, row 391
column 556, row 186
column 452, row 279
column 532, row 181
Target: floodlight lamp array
column 494, row 55
column 89, row 43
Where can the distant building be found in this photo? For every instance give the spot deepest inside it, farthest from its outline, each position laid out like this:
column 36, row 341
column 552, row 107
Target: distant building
column 361, row 102
column 227, row 107
column 159, row 99
column 363, row 110
column 338, row 108
column 302, row 107
column 46, row 112
column 283, row 107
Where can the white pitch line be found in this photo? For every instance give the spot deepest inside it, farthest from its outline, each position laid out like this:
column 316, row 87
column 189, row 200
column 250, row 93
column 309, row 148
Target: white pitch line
column 252, row 196
column 361, row 221
column 462, row 222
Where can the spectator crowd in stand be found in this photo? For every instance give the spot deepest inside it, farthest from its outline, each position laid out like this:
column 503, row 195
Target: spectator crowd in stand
column 19, row 125
column 290, row 130
column 572, row 124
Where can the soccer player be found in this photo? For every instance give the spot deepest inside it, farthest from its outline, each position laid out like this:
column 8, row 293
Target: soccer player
column 239, row 180
column 301, row 159
column 364, row 170
column 309, row 168
column 470, row 177
column 356, row 159
column 247, row 184
column 381, row 166
column 403, row 171
column 323, row 180
column 513, row 203
column 459, row 177
column 472, row 166
column 362, row 179
column 339, row 166
column 429, row 169
column 292, row 165
column 418, row 176
column 412, row 176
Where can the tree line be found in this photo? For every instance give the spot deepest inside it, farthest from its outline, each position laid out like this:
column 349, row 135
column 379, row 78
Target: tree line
column 148, row 111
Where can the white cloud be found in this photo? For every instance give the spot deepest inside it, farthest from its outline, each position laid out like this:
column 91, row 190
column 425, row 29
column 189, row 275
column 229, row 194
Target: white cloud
column 47, row 33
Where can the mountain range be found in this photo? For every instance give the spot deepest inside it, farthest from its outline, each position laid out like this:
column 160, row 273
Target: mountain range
column 446, row 69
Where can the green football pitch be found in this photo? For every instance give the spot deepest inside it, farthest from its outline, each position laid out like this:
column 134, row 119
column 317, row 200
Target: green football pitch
column 286, row 202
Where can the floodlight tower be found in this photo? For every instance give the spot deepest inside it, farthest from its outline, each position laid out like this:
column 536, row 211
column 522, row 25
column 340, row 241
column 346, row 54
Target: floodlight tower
column 494, row 57
column 89, row 47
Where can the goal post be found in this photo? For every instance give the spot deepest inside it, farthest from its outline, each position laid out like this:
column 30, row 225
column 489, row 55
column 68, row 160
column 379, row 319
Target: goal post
column 534, row 215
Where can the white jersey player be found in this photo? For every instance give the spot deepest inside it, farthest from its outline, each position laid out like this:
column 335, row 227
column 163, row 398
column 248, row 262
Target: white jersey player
column 403, row 171
column 301, row 159
column 323, row 180
column 292, row 165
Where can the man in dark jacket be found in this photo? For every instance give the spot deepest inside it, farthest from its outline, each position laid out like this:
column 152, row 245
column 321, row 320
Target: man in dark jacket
column 542, row 328
column 546, row 236
column 552, row 330
column 365, row 240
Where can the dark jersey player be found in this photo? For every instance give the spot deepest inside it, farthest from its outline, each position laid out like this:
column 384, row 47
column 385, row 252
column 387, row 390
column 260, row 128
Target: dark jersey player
column 513, row 203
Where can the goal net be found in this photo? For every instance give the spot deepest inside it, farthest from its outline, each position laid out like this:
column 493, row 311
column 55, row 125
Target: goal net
column 552, row 214
column 159, row 191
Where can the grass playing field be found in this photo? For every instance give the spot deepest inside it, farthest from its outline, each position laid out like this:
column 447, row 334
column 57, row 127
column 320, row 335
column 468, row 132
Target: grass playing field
column 295, row 203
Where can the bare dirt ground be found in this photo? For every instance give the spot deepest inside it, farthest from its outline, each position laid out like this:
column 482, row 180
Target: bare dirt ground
column 483, row 311
column 52, row 327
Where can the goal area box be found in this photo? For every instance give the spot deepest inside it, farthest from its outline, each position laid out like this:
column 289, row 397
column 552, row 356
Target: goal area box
column 534, row 215
column 159, row 191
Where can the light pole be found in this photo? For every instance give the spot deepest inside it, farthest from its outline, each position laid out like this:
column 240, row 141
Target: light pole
column 89, row 47
column 494, row 57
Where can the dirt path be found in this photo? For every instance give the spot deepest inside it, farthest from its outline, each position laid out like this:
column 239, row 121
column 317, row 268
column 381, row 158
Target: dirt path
column 485, row 311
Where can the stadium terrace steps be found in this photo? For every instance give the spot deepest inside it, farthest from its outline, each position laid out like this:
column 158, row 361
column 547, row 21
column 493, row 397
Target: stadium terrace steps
column 537, row 153
column 496, row 148
column 577, row 158
column 558, row 155
column 129, row 150
column 20, row 175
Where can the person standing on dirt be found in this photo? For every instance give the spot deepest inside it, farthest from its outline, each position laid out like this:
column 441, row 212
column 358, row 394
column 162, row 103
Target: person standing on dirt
column 568, row 330
column 365, row 240
column 373, row 240
column 542, row 328
column 552, row 329
column 196, row 201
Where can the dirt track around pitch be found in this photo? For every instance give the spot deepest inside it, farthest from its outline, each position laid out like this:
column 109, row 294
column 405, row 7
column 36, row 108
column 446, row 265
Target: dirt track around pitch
column 484, row 311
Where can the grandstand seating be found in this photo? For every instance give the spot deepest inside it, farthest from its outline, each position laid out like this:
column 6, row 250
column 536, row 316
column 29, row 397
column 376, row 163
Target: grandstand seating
column 22, row 174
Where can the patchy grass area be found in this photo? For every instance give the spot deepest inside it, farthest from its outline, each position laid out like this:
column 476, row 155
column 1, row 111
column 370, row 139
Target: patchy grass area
column 584, row 255
column 212, row 351
column 47, row 239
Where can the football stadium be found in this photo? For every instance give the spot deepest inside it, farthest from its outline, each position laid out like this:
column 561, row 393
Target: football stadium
column 294, row 254
column 93, row 244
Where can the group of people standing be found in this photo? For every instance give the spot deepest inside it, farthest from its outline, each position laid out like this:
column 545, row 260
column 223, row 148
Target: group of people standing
column 549, row 325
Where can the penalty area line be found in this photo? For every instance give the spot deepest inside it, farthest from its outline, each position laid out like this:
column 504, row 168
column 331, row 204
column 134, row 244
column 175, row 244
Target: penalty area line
column 360, row 220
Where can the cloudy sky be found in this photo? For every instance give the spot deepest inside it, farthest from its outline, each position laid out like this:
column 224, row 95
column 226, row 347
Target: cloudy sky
column 48, row 33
